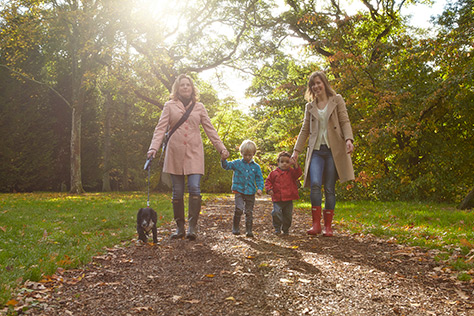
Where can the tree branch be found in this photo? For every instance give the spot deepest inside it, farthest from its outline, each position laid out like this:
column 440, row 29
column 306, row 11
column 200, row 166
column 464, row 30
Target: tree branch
column 40, row 83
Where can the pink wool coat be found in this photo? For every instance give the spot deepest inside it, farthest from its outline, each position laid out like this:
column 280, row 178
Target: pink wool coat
column 185, row 152
column 339, row 130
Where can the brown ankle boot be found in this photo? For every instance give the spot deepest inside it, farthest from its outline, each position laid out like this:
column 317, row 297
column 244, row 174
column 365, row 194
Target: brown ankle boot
column 316, row 215
column 328, row 216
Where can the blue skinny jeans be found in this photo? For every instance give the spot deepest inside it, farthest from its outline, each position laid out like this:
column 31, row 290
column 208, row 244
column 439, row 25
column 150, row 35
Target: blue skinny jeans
column 194, row 185
column 322, row 171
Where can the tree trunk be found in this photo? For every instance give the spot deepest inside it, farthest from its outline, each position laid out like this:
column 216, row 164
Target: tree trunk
column 468, row 201
column 77, row 107
column 76, row 178
column 106, row 144
column 125, row 159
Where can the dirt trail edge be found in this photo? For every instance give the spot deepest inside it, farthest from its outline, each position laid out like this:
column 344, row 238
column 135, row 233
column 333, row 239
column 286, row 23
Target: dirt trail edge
column 223, row 274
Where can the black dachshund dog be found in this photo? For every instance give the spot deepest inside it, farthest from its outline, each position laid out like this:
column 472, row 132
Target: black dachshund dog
column 146, row 222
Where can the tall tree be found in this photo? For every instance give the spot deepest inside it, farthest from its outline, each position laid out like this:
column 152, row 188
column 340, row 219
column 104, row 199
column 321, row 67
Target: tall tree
column 74, row 36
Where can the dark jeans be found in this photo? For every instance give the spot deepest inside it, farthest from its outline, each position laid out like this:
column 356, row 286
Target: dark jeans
column 194, row 185
column 321, row 168
column 244, row 204
column 282, row 215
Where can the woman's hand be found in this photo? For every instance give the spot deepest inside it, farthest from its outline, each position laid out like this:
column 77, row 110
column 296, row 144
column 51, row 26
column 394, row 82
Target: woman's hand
column 349, row 146
column 259, row 192
column 224, row 154
column 151, row 153
column 294, row 158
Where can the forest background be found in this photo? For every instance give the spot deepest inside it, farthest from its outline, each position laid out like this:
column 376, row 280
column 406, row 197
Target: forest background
column 83, row 83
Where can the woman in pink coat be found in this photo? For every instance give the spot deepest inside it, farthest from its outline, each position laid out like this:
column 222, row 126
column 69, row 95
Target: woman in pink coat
column 185, row 152
column 328, row 130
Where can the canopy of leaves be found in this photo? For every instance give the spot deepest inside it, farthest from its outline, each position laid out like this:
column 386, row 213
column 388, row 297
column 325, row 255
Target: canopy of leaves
column 409, row 92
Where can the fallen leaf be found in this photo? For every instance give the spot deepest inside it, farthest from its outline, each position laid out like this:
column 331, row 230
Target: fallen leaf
column 3, row 228
column 466, row 243
column 294, row 247
column 210, row 275
column 462, row 294
column 230, row 298
column 144, row 308
column 193, row 301
column 12, row 302
column 176, row 298
column 103, row 257
column 282, row 280
column 304, row 280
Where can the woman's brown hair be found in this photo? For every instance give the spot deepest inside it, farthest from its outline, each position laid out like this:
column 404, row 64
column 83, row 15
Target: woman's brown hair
column 309, row 94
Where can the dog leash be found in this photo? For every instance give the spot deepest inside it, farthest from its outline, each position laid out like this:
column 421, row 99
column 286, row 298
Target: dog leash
column 148, row 200
column 148, row 167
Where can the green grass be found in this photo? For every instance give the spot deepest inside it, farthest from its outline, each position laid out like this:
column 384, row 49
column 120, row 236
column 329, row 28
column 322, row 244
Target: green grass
column 427, row 225
column 43, row 231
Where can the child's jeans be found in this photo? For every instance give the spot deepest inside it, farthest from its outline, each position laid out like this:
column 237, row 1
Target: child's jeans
column 282, row 215
column 244, row 204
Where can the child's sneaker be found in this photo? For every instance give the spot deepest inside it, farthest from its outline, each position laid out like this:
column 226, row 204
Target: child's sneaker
column 277, row 232
column 249, row 234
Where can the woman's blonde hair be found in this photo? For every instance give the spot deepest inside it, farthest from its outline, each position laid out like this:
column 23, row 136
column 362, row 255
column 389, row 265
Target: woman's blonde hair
column 309, row 94
column 175, row 88
column 248, row 146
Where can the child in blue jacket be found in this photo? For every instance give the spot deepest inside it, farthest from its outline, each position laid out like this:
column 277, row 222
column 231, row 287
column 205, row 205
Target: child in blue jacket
column 247, row 181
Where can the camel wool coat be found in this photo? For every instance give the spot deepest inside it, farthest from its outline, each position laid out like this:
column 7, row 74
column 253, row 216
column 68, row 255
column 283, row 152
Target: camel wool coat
column 339, row 131
column 185, row 152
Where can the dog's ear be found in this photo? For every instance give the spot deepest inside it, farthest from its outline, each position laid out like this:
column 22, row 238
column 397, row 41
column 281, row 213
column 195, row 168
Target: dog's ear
column 154, row 216
column 139, row 215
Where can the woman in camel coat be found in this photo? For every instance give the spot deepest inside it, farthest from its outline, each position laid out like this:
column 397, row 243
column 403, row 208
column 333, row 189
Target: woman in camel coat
column 328, row 130
column 185, row 151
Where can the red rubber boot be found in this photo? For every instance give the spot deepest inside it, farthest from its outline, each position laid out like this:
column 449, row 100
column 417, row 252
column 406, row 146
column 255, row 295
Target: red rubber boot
column 328, row 216
column 316, row 215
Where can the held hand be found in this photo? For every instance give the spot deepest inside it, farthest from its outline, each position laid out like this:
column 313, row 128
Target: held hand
column 294, row 163
column 151, row 153
column 294, row 158
column 270, row 192
column 259, row 192
column 224, row 154
column 349, row 146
